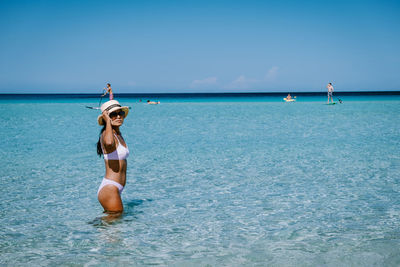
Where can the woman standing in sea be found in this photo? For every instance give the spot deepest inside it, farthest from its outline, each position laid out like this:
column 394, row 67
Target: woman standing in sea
column 112, row 146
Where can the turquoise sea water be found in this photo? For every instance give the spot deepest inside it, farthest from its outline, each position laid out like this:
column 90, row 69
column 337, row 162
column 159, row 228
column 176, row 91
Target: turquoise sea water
column 234, row 181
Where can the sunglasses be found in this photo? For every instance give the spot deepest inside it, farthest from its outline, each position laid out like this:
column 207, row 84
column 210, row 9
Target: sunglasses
column 114, row 114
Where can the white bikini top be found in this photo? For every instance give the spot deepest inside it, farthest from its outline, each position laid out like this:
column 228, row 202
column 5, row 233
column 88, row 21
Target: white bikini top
column 120, row 153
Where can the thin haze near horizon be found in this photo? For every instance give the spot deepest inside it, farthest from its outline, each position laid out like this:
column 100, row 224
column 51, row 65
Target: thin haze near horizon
column 198, row 46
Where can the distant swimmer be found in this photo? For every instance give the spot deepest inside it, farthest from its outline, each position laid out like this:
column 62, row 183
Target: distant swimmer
column 112, row 146
column 330, row 91
column 289, row 97
column 109, row 91
column 152, row 102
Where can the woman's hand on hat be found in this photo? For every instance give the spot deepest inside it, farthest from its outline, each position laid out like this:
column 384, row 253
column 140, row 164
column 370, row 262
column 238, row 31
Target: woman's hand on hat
column 106, row 117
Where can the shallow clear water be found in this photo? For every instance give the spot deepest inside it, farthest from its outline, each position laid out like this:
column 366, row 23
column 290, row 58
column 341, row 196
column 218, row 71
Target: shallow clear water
column 218, row 181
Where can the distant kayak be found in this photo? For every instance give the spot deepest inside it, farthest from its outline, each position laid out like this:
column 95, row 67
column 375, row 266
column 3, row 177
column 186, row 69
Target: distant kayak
column 289, row 100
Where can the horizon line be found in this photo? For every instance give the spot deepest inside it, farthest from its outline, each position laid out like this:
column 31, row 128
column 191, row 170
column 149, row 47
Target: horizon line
column 218, row 93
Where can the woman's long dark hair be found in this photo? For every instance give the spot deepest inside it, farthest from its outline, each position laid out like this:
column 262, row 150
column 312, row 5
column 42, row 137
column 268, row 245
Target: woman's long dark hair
column 99, row 150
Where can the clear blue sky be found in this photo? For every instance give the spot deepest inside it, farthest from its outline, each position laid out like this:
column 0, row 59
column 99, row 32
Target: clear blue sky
column 148, row 46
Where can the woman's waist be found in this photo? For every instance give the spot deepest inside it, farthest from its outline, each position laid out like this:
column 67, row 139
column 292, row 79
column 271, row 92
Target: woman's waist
column 115, row 160
column 117, row 166
column 116, row 177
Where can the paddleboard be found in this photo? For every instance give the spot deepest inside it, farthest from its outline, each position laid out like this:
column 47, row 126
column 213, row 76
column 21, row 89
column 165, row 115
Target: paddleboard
column 92, row 107
column 98, row 107
column 334, row 103
column 289, row 100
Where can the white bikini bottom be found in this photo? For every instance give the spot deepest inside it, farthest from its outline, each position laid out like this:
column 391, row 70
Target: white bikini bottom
column 107, row 182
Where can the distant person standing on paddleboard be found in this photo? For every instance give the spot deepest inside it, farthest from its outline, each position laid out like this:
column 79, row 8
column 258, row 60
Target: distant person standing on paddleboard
column 109, row 91
column 330, row 91
column 112, row 146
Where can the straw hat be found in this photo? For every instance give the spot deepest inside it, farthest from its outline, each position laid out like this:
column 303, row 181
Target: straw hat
column 111, row 106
